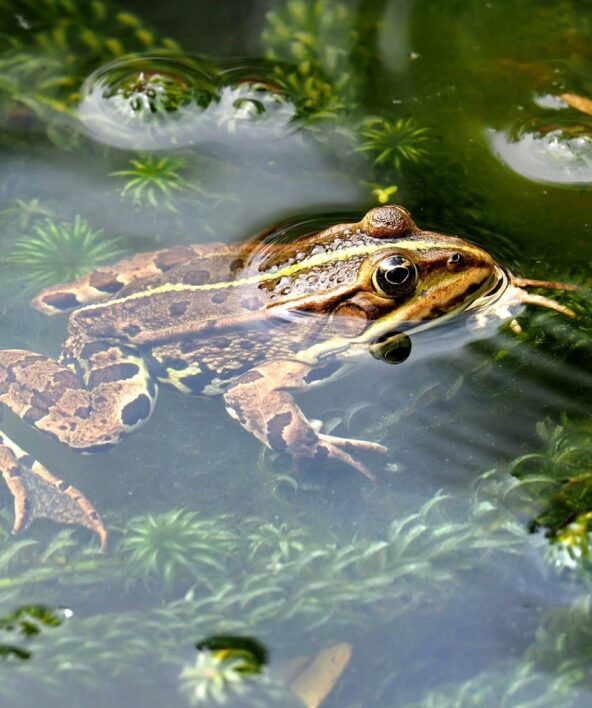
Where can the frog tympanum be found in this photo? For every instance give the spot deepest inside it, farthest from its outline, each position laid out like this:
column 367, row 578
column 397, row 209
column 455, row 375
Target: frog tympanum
column 252, row 323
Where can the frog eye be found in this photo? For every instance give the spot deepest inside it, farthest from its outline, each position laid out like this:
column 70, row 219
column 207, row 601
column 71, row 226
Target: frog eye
column 395, row 276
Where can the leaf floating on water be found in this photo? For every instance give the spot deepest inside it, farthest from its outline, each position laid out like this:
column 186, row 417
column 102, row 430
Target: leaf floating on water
column 580, row 103
column 318, row 677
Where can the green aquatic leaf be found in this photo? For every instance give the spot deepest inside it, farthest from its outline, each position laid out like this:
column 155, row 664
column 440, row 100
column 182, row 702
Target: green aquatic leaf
column 61, row 252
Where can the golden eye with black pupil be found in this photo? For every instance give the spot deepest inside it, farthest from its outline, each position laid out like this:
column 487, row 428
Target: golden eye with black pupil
column 455, row 261
column 395, row 276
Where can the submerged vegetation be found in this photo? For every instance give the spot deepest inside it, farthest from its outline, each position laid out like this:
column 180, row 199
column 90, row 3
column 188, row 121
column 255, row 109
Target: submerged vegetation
column 59, row 252
column 319, row 43
column 394, row 143
column 222, row 574
column 48, row 48
column 314, row 40
column 153, row 181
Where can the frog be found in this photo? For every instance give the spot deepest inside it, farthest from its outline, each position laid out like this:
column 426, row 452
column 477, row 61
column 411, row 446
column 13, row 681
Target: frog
column 254, row 323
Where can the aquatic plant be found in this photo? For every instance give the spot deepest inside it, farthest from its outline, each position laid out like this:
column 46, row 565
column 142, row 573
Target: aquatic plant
column 214, row 678
column 219, row 678
column 216, row 584
column 177, row 546
column 315, row 97
column 383, row 194
column 318, row 32
column 59, row 252
column 48, row 48
column 148, row 101
column 507, row 687
column 560, row 477
column 315, row 40
column 148, row 92
column 277, row 543
column 394, row 143
column 553, row 670
column 563, row 644
column 22, row 213
column 154, row 181
column 25, row 622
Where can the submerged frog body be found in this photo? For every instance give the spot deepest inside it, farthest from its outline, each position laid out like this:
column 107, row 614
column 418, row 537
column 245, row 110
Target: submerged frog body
column 251, row 323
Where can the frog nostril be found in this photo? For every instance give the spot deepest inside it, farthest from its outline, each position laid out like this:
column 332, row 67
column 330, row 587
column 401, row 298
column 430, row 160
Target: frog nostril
column 455, row 260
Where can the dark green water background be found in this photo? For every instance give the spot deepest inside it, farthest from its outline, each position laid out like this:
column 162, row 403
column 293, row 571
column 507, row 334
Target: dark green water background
column 431, row 575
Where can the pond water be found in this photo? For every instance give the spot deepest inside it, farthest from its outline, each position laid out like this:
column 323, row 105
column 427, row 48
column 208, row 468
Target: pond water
column 461, row 576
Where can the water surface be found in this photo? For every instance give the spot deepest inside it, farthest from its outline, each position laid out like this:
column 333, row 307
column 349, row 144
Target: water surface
column 432, row 576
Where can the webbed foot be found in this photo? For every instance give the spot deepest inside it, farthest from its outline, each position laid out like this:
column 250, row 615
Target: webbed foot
column 261, row 403
column 38, row 494
column 331, row 446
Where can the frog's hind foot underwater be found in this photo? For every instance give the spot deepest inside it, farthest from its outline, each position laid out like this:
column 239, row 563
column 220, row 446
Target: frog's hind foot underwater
column 251, row 323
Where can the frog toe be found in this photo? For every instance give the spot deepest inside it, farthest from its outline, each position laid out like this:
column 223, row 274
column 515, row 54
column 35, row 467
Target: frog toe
column 356, row 444
column 327, row 448
column 38, row 494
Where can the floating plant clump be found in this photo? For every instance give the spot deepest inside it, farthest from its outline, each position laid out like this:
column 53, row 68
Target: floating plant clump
column 158, row 102
column 254, row 104
column 224, row 677
column 145, row 102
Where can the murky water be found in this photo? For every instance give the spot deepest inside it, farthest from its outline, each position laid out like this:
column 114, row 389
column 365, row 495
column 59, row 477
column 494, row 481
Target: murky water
column 454, row 580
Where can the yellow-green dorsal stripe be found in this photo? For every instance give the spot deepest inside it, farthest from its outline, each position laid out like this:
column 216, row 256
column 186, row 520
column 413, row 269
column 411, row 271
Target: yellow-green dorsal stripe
column 318, row 259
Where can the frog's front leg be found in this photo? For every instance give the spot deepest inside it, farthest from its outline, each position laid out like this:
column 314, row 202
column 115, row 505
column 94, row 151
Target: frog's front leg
column 88, row 401
column 260, row 401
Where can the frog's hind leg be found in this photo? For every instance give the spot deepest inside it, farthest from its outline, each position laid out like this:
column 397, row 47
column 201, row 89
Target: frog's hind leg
column 39, row 494
column 95, row 395
column 261, row 402
column 89, row 409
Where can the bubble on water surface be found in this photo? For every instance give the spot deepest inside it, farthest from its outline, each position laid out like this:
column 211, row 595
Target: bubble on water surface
column 549, row 151
column 549, row 101
column 253, row 104
column 155, row 102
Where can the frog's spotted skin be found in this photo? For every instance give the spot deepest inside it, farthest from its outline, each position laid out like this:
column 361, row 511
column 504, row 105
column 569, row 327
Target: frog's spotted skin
column 249, row 322
column 107, row 283
column 38, row 494
column 88, row 408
